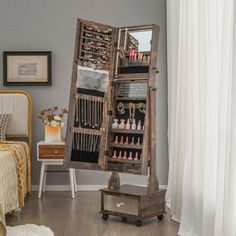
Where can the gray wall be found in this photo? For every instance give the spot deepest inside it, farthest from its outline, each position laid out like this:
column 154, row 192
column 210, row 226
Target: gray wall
column 50, row 25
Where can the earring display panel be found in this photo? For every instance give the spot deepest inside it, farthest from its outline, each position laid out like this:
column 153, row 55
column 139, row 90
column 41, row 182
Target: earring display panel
column 95, row 45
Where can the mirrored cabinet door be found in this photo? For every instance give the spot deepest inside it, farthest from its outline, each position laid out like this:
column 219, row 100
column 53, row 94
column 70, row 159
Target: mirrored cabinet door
column 112, row 100
column 133, row 52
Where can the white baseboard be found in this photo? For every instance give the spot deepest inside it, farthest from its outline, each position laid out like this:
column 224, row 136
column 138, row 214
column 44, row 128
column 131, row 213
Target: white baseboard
column 79, row 187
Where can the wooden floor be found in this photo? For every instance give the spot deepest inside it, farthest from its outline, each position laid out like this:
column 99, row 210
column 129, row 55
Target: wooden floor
column 80, row 217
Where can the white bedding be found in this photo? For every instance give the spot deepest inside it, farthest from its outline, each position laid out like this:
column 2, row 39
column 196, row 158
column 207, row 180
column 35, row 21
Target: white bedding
column 15, row 177
column 9, row 199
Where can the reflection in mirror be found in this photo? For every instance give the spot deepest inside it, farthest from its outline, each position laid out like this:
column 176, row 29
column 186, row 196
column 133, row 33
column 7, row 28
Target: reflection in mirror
column 134, row 51
column 144, row 39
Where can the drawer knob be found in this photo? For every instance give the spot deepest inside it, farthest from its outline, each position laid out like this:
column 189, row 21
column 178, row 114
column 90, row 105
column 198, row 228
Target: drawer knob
column 55, row 152
column 120, row 204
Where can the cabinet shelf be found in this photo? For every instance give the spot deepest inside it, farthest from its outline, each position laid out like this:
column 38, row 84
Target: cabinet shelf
column 86, row 131
column 127, row 131
column 128, row 80
column 133, row 76
column 135, row 65
column 146, row 53
column 129, row 146
column 125, row 161
column 130, row 99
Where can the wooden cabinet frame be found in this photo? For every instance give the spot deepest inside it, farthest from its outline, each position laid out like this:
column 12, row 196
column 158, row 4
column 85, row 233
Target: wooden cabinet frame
column 149, row 133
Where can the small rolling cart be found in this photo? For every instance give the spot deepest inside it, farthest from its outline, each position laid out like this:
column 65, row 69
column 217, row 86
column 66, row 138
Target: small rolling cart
column 133, row 202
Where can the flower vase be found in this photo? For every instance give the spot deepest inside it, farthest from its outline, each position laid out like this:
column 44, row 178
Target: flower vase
column 52, row 134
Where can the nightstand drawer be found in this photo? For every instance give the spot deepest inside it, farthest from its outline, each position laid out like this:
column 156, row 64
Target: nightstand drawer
column 51, row 151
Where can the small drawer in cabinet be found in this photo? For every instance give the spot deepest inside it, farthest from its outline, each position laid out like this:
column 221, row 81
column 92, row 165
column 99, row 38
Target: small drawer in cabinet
column 135, row 169
column 121, row 204
column 115, row 166
column 51, row 151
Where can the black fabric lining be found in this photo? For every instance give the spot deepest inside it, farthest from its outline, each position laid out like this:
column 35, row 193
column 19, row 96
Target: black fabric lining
column 133, row 69
column 84, row 156
column 90, row 92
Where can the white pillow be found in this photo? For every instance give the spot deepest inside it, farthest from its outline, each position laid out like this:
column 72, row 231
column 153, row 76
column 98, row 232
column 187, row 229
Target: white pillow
column 4, row 118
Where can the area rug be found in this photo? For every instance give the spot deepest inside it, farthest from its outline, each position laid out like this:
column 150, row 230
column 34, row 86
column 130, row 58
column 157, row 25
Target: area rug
column 29, row 230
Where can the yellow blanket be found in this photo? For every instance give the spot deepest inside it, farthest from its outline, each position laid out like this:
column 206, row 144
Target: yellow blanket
column 2, row 221
column 20, row 150
column 19, row 153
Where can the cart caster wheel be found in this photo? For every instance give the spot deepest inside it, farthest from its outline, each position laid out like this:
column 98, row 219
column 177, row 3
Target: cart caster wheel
column 138, row 223
column 124, row 219
column 105, row 216
column 160, row 217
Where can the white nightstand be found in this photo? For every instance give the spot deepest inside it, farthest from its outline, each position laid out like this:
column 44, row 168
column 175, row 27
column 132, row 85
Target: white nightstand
column 52, row 154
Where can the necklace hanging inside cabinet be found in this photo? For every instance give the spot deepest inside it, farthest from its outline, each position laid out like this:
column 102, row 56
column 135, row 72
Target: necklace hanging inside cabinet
column 89, row 112
column 142, row 107
column 84, row 141
column 121, row 108
column 131, row 111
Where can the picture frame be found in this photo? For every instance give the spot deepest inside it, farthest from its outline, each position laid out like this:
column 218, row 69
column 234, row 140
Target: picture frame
column 27, row 68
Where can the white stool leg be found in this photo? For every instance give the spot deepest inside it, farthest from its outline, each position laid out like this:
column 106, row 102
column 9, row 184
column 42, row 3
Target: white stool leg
column 44, row 178
column 72, row 182
column 41, row 179
column 75, row 182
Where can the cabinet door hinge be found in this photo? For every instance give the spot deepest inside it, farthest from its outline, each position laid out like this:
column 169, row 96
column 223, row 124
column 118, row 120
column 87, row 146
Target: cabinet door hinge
column 109, row 112
column 106, row 153
column 112, row 83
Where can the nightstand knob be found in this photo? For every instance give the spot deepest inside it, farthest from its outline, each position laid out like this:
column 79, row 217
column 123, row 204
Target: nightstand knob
column 55, row 152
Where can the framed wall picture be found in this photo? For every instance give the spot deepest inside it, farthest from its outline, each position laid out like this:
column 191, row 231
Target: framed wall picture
column 27, row 68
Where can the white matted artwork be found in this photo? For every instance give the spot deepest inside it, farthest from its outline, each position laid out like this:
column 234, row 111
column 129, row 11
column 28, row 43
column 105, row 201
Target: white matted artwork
column 27, row 68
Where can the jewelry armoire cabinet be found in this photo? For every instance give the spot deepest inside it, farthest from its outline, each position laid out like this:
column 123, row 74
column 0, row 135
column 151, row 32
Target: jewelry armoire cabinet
column 112, row 114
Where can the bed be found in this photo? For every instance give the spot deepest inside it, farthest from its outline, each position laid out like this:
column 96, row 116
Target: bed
column 15, row 158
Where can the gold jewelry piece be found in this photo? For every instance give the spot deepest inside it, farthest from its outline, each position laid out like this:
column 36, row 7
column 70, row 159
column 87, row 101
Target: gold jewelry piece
column 142, row 107
column 121, row 108
column 131, row 111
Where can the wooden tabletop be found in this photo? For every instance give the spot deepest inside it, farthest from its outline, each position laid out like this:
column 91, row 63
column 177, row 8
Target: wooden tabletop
column 131, row 190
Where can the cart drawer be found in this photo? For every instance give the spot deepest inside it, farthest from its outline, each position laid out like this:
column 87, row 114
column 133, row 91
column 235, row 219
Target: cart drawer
column 121, row 204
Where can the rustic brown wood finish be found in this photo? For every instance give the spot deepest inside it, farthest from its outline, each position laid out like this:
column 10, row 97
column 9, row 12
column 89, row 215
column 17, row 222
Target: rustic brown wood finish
column 73, row 94
column 149, row 201
column 110, row 101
